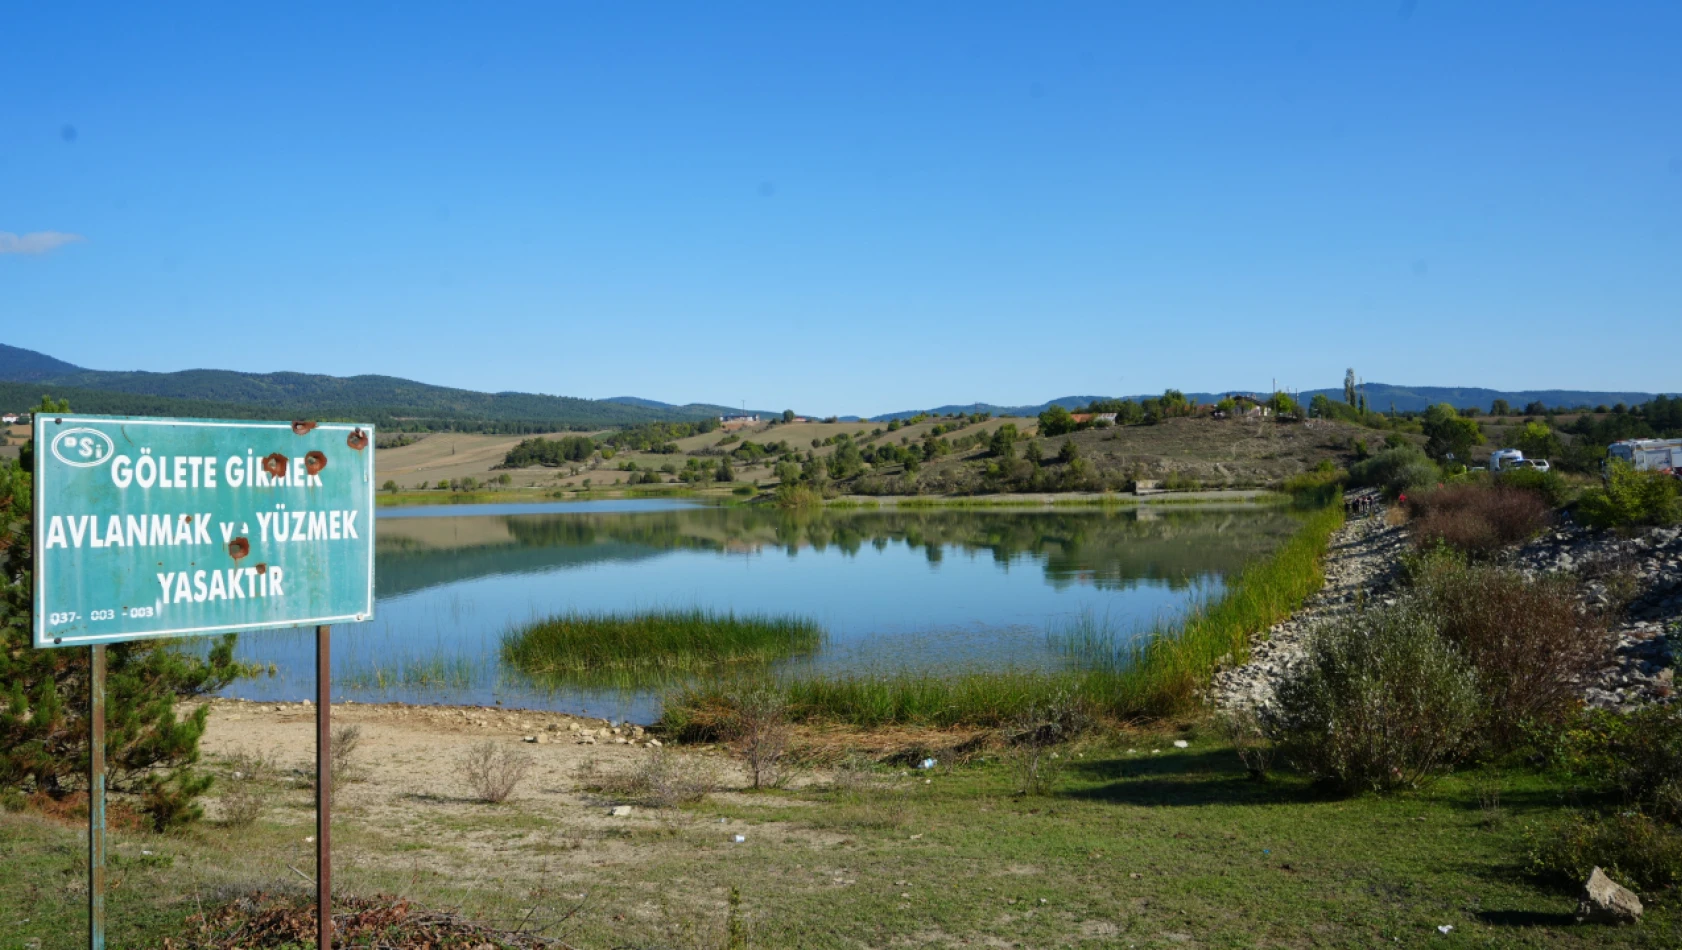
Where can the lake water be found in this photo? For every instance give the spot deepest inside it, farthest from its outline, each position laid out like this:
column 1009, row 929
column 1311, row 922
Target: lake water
column 933, row 589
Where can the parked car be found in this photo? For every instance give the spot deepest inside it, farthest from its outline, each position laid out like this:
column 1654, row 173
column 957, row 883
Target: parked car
column 1540, row 465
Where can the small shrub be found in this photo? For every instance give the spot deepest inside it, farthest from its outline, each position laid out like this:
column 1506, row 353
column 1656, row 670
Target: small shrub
column 1528, row 640
column 1634, row 848
column 1034, row 738
column 1380, row 701
column 1486, row 782
column 345, row 741
column 1243, row 729
column 492, row 771
column 759, row 729
column 1630, row 498
column 243, row 788
column 1477, row 519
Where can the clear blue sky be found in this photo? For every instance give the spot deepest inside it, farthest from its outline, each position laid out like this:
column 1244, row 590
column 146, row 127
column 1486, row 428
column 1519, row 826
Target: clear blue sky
column 869, row 208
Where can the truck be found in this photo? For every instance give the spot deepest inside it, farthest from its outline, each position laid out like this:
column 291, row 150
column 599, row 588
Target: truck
column 1649, row 455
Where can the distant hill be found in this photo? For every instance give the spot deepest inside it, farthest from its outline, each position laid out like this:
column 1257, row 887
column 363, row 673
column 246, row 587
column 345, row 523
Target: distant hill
column 386, row 401
column 1380, row 397
column 693, row 407
column 22, row 366
column 1067, row 402
column 389, row 401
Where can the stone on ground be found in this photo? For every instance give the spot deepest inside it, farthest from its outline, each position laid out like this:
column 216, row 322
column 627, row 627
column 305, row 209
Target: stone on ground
column 1605, row 901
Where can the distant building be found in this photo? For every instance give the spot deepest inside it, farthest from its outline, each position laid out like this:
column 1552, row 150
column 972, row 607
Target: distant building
column 727, row 423
column 1085, row 418
column 9, row 418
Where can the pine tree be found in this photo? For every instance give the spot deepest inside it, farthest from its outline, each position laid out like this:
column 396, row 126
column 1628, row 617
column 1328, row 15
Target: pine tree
column 44, row 747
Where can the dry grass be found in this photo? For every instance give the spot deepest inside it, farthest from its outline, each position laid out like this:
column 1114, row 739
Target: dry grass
column 663, row 779
column 1477, row 519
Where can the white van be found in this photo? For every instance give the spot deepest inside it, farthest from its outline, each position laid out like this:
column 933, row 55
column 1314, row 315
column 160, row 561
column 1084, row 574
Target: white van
column 1501, row 459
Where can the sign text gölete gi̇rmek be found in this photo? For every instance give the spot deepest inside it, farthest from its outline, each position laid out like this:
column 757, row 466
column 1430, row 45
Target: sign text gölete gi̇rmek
column 191, row 527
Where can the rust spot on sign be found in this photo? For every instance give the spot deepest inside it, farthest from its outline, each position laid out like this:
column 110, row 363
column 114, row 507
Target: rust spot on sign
column 357, row 440
column 314, row 462
column 262, row 568
column 239, row 548
column 187, row 518
column 302, row 426
column 275, row 465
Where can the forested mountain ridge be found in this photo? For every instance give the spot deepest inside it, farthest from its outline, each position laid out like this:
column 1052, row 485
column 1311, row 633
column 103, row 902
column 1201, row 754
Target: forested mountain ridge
column 387, row 401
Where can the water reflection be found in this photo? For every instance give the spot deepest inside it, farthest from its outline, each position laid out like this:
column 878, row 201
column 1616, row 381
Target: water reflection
column 920, row 588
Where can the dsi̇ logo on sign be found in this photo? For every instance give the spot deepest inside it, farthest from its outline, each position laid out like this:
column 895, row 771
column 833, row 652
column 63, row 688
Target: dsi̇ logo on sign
column 83, row 448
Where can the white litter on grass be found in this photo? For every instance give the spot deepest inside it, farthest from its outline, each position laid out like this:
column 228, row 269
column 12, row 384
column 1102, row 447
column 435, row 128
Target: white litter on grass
column 927, row 764
column 1181, row 744
column 739, row 839
column 1445, row 929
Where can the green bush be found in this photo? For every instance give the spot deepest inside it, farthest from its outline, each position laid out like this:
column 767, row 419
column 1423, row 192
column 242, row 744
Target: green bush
column 1633, row 847
column 1634, row 763
column 1637, row 758
column 1322, row 485
column 1397, row 470
column 1380, row 701
column 1549, row 485
column 1630, row 498
column 1056, row 421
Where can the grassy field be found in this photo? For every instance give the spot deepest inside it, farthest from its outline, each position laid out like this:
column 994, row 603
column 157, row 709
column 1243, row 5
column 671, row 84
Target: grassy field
column 1138, row 844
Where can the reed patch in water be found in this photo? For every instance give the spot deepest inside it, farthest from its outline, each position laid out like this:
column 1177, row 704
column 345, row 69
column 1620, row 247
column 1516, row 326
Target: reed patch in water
column 593, row 646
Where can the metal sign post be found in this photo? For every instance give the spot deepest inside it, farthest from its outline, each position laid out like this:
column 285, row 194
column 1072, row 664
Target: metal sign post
column 149, row 528
column 96, row 798
column 323, row 787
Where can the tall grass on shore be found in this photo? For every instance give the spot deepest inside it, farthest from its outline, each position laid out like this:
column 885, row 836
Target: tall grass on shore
column 1116, row 674
column 612, row 647
column 1163, row 673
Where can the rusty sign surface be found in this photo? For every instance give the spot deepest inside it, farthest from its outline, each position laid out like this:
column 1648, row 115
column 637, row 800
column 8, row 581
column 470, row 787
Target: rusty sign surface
column 192, row 527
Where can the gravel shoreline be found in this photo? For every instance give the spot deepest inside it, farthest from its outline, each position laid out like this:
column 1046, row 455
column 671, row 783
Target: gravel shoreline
column 1362, row 568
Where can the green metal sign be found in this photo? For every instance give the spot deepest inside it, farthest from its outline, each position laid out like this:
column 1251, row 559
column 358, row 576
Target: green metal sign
column 190, row 527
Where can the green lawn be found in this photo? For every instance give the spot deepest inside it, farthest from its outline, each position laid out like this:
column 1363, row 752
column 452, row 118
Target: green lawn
column 1173, row 849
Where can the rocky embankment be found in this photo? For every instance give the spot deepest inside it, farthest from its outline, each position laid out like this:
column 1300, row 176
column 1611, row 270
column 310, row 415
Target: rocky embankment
column 1361, row 566
column 1641, row 570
